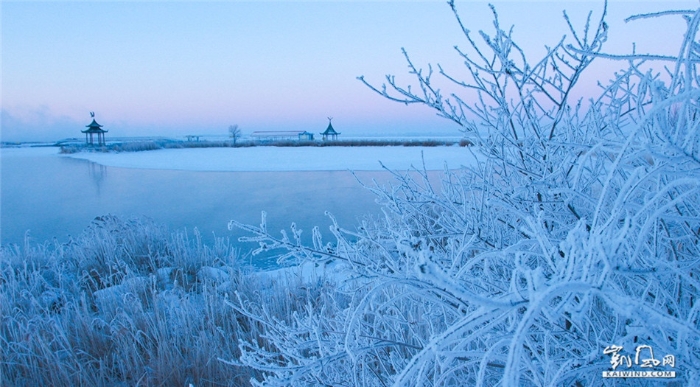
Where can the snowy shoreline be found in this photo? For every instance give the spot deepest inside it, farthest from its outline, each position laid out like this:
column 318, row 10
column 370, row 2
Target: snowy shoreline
column 264, row 159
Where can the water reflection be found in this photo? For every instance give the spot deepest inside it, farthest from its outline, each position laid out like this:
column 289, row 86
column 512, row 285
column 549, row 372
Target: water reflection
column 97, row 174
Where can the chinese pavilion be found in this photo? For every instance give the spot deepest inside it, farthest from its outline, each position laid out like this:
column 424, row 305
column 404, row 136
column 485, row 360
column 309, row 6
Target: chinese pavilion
column 92, row 129
column 330, row 133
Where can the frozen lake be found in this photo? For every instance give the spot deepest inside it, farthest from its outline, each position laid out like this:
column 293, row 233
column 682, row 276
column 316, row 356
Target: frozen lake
column 54, row 196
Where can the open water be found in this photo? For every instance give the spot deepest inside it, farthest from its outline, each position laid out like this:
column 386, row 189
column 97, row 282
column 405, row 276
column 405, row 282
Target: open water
column 45, row 196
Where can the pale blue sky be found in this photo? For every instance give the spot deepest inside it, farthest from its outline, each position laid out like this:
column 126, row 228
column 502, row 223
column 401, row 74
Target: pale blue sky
column 175, row 68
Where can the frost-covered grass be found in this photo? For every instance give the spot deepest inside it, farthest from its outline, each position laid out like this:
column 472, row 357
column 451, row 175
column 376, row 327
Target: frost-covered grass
column 126, row 303
column 149, row 145
column 123, row 304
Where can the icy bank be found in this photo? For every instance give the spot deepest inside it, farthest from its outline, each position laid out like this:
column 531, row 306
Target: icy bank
column 269, row 158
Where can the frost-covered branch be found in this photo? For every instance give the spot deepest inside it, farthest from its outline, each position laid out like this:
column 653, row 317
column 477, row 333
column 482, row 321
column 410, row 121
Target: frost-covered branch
column 576, row 230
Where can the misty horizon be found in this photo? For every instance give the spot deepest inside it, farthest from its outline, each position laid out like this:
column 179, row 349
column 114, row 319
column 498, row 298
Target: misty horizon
column 172, row 69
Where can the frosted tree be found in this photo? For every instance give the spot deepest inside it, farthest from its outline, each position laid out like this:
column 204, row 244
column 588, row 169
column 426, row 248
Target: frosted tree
column 577, row 229
column 234, row 132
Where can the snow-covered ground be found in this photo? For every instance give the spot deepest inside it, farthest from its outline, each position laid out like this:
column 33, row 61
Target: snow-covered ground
column 269, row 158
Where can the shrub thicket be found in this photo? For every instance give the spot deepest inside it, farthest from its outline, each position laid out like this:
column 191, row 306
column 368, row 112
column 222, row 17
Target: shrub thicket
column 572, row 244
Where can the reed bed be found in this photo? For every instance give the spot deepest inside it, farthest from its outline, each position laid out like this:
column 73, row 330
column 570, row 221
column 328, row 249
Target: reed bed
column 127, row 303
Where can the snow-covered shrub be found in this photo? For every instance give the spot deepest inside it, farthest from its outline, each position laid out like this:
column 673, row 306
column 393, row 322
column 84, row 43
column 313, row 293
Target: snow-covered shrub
column 577, row 229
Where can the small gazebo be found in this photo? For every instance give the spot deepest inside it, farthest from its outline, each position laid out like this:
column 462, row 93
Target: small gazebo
column 330, row 133
column 92, row 129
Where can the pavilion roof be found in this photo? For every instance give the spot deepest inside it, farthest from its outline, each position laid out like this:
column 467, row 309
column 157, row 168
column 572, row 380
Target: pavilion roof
column 93, row 124
column 94, row 127
column 329, row 130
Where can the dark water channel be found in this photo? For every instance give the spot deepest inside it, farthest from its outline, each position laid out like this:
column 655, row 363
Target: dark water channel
column 47, row 196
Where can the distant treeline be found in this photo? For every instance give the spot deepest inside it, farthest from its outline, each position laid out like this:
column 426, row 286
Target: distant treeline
column 137, row 146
